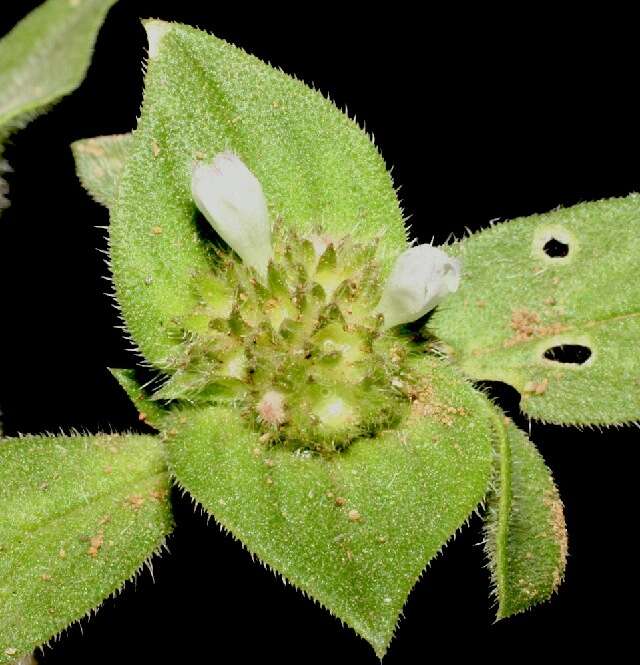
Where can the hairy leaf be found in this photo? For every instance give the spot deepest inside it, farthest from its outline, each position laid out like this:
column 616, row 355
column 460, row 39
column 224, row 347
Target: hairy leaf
column 525, row 534
column 42, row 59
column 99, row 164
column 550, row 305
column 149, row 411
column 354, row 530
column 46, row 56
column 80, row 515
column 203, row 96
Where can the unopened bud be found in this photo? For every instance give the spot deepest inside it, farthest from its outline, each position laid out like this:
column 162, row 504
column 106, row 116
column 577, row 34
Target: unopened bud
column 421, row 277
column 231, row 198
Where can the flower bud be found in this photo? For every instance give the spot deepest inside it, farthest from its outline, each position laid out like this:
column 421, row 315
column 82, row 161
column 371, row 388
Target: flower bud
column 421, row 277
column 231, row 199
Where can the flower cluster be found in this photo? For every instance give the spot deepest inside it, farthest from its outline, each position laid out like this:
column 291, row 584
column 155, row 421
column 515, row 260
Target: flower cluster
column 231, row 198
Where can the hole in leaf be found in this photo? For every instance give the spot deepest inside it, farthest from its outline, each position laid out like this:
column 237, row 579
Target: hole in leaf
column 555, row 248
column 574, row 354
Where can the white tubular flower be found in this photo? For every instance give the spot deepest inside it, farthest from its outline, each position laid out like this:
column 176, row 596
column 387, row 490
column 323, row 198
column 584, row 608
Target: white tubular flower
column 421, row 277
column 231, row 199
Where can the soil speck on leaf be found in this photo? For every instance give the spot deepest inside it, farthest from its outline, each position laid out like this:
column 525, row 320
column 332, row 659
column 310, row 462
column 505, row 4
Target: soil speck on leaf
column 556, row 515
column 536, row 387
column 136, row 501
column 95, row 543
column 425, row 404
column 158, row 495
column 527, row 324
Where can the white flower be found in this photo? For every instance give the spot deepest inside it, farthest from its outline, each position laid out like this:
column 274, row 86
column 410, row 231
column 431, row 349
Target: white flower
column 421, row 277
column 231, row 199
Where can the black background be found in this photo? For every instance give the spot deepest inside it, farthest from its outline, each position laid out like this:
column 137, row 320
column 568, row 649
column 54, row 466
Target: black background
column 481, row 117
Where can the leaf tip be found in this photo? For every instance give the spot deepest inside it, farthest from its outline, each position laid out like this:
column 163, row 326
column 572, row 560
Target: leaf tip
column 156, row 30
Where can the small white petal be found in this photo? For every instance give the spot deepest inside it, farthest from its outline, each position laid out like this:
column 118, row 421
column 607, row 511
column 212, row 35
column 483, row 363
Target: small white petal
column 421, row 277
column 231, row 199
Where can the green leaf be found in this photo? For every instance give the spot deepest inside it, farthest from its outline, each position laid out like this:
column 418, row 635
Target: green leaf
column 356, row 529
column 525, row 533
column 99, row 164
column 149, row 411
column 80, row 515
column 46, row 57
column 516, row 304
column 203, row 96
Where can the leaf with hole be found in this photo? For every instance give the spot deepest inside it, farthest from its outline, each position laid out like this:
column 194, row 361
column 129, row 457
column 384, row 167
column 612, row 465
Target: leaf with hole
column 550, row 305
column 525, row 533
column 203, row 96
column 80, row 515
column 353, row 530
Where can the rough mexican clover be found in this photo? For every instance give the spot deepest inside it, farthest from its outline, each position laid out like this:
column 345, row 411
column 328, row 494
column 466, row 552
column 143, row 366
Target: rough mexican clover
column 300, row 393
